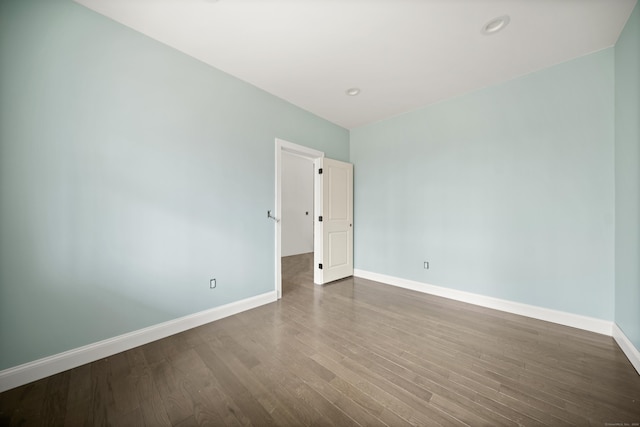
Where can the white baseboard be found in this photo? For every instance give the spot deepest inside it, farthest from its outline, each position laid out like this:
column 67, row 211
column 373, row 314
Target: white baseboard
column 563, row 318
column 627, row 347
column 38, row 369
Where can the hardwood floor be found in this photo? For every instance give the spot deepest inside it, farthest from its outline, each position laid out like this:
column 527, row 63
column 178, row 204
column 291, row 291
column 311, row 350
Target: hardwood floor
column 353, row 352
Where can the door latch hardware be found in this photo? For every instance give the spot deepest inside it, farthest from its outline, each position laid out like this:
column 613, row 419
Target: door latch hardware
column 272, row 217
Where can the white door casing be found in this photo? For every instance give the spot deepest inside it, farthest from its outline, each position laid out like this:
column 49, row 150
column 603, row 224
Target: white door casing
column 333, row 235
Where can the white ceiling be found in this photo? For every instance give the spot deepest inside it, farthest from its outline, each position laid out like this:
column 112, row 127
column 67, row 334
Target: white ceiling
column 402, row 54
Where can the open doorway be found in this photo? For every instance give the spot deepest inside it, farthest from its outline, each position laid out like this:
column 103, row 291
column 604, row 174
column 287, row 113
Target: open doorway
column 285, row 152
column 296, row 219
column 297, row 205
column 332, row 215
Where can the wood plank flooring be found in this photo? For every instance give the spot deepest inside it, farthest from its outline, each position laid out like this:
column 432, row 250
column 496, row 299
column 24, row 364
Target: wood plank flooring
column 351, row 353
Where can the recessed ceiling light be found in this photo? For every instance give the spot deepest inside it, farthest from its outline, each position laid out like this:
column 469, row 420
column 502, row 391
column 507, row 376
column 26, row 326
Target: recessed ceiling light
column 352, row 91
column 495, row 25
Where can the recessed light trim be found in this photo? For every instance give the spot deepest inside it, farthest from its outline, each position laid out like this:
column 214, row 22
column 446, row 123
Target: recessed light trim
column 352, row 91
column 496, row 25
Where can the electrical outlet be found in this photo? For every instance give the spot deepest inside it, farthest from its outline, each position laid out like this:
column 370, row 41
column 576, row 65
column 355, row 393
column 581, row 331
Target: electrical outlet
column 212, row 284
column 426, row 265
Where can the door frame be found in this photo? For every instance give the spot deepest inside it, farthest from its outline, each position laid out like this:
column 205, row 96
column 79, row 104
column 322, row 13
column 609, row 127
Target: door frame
column 302, row 151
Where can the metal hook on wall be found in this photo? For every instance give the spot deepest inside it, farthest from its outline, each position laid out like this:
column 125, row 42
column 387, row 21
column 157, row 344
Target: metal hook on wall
column 272, row 217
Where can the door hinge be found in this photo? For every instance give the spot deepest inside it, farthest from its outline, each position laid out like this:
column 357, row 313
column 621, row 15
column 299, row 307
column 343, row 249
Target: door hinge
column 320, row 266
column 320, row 171
column 320, row 218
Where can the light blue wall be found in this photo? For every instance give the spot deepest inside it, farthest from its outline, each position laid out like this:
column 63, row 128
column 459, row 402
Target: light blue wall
column 507, row 191
column 130, row 174
column 627, row 75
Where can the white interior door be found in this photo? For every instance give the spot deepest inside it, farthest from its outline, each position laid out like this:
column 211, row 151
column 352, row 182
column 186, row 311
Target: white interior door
column 333, row 236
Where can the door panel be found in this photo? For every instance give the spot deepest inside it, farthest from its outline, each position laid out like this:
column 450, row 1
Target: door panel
column 333, row 247
column 337, row 192
column 338, row 255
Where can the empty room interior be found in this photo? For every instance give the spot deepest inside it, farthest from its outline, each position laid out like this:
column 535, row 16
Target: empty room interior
column 278, row 212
